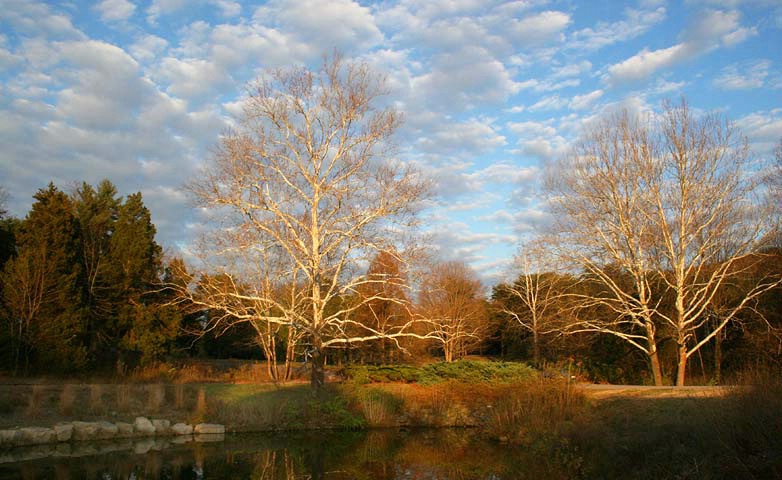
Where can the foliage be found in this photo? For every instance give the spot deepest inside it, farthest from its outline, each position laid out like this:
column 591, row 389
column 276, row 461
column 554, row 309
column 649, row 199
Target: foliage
column 467, row 371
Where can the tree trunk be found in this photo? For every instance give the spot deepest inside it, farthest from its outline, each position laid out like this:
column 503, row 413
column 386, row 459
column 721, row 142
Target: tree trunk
column 654, row 358
column 317, row 374
column 718, row 358
column 657, row 372
column 682, row 367
column 535, row 347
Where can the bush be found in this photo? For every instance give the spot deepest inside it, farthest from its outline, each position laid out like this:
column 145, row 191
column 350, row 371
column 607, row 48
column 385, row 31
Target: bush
column 467, row 371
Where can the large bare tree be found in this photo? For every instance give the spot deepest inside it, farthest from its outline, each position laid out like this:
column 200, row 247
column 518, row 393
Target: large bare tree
column 306, row 192
column 662, row 213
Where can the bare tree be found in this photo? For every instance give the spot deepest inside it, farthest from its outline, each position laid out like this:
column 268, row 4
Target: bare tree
column 451, row 300
column 306, row 193
column 536, row 300
column 662, row 213
column 26, row 285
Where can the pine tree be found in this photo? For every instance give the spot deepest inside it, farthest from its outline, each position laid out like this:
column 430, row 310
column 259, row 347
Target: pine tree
column 97, row 214
column 47, row 268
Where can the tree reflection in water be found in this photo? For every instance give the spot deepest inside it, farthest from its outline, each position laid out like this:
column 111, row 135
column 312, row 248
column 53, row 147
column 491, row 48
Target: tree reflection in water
column 446, row 454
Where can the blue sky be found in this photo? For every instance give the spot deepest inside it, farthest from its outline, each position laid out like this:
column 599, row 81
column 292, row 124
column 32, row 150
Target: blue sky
column 139, row 91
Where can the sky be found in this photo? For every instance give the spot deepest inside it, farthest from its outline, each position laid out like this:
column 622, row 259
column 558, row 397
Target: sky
column 139, row 91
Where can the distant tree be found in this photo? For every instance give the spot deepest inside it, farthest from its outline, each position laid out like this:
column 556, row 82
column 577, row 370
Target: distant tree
column 384, row 303
column 536, row 301
column 451, row 300
column 667, row 202
column 8, row 228
column 306, row 194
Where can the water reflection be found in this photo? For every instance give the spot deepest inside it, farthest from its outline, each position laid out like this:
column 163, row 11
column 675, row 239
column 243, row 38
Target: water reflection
column 431, row 454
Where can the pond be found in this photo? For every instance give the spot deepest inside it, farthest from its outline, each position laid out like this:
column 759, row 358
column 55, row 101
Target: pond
column 386, row 454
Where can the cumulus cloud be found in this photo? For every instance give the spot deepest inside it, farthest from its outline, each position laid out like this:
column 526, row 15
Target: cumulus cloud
column 540, row 27
column 635, row 23
column 712, row 29
column 764, row 129
column 38, row 18
column 322, row 24
column 115, row 10
column 745, row 76
column 581, row 102
column 463, row 79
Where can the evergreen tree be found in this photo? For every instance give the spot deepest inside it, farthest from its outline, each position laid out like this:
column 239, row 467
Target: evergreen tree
column 47, row 269
column 97, row 214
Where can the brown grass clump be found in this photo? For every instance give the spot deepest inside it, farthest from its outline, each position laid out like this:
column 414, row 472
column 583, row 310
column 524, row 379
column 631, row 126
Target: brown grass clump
column 542, row 408
column 68, row 396
column 156, row 397
column 36, row 401
column 199, row 413
column 97, row 407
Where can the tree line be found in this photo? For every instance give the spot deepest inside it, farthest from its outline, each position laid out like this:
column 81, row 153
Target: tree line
column 78, row 283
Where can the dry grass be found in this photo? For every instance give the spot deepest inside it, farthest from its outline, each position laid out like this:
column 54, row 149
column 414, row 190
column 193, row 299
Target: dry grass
column 156, row 397
column 68, row 397
column 540, row 408
column 36, row 400
column 97, row 405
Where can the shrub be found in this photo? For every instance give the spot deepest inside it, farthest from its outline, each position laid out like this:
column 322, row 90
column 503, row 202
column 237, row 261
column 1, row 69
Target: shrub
column 467, row 371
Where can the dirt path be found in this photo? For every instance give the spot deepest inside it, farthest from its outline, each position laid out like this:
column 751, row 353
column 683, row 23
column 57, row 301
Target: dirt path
column 600, row 392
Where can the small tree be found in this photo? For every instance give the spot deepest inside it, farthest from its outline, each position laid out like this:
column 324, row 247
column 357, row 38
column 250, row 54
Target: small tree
column 537, row 300
column 451, row 300
column 306, row 194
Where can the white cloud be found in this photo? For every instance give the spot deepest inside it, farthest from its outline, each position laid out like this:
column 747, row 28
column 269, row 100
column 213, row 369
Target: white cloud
column 744, row 76
column 581, row 102
column 115, row 10
column 531, row 129
column 463, row 79
column 764, row 129
column 540, row 27
column 322, row 24
column 472, row 137
column 710, row 30
column 148, row 47
column 552, row 102
column 636, row 23
column 37, row 18
column 644, row 63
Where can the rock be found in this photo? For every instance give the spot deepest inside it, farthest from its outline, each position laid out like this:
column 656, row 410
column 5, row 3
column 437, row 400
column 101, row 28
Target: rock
column 35, row 436
column 181, row 429
column 63, row 431
column 85, row 430
column 124, row 430
column 106, row 430
column 8, row 438
column 142, row 426
column 162, row 427
column 209, row 428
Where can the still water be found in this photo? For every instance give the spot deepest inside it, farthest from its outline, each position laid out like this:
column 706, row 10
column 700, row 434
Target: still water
column 430, row 454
